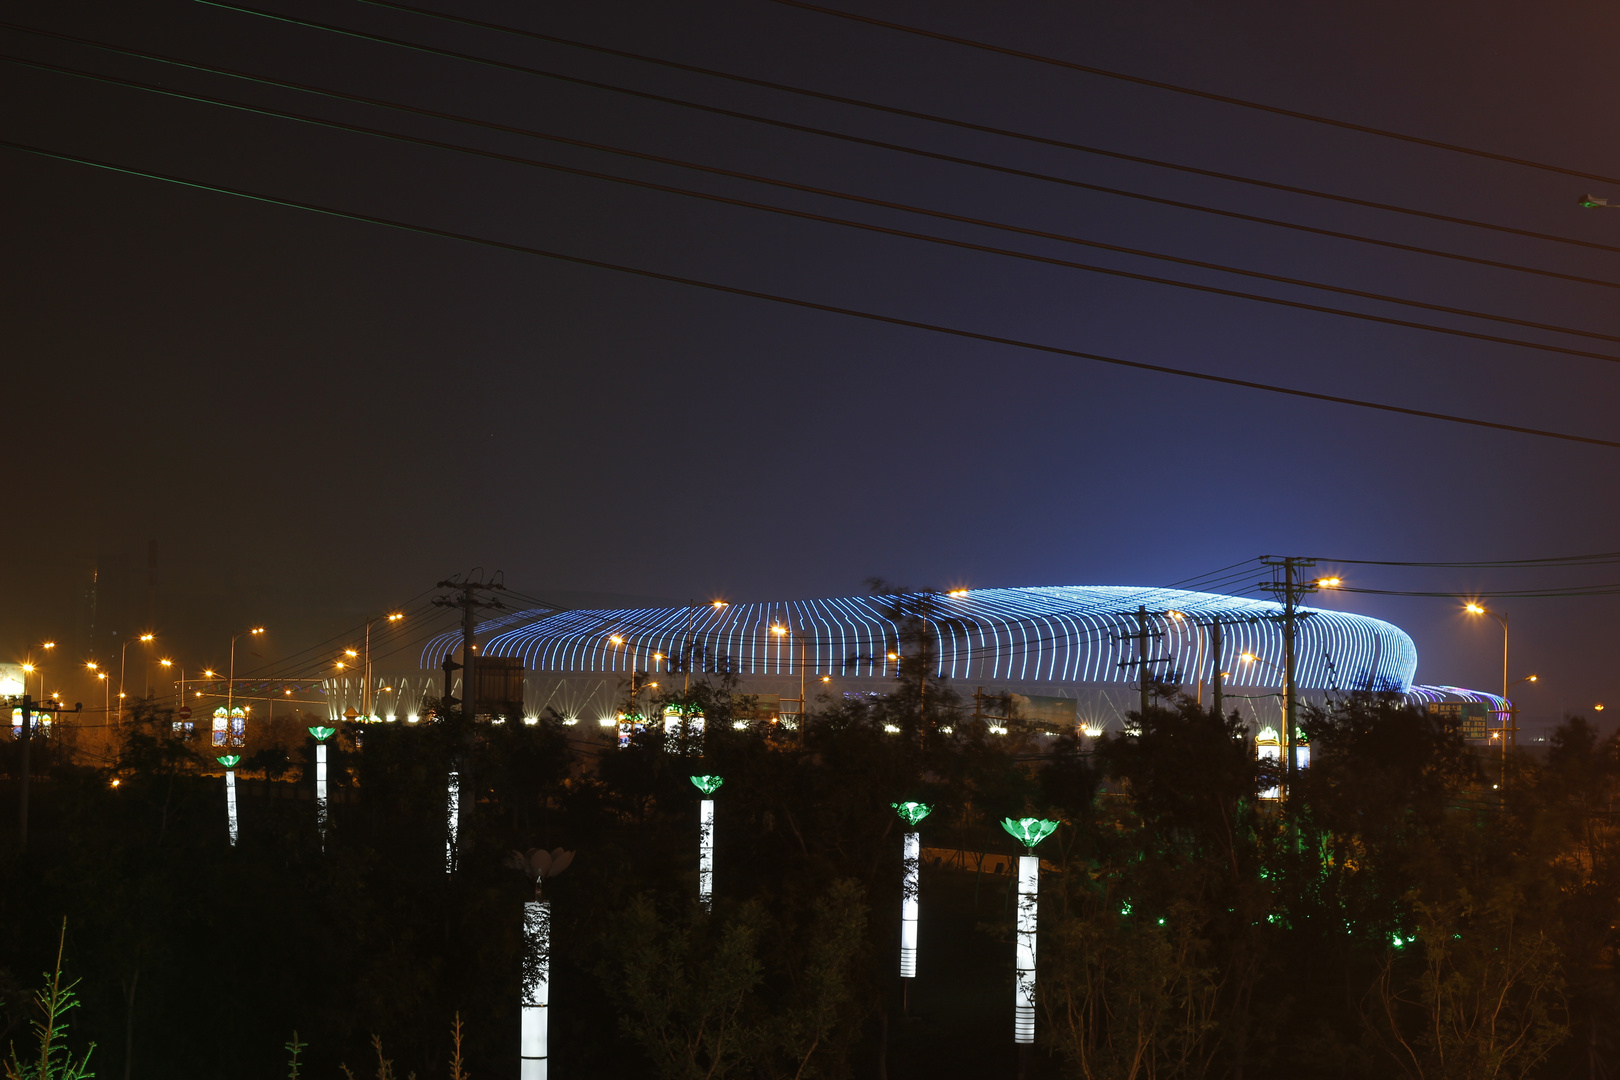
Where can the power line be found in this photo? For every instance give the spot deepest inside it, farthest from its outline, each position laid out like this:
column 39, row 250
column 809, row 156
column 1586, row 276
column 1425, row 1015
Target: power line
column 1599, row 559
column 1224, row 99
column 732, row 290
column 944, row 120
column 904, row 233
column 714, row 73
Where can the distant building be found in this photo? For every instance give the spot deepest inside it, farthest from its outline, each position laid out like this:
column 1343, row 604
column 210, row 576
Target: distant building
column 1055, row 657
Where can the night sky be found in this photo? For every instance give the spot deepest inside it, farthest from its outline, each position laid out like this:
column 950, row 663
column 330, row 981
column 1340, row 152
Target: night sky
column 314, row 419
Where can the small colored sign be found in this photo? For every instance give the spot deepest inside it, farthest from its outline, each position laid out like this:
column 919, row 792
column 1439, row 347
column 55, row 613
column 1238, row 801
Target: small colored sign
column 185, row 712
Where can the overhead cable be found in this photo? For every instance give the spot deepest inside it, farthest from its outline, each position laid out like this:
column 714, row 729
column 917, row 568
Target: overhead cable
column 1278, row 110
column 912, row 235
column 962, row 124
column 811, row 305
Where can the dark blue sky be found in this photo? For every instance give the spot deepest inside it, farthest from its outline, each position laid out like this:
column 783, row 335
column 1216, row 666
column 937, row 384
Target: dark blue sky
column 317, row 418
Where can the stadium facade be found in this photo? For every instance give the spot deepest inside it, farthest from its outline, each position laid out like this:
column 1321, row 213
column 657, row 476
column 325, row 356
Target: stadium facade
column 1064, row 656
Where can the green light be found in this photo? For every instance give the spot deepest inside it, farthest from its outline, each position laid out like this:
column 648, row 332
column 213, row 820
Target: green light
column 322, row 733
column 229, row 760
column 1029, row 831
column 912, row 812
column 1126, row 910
column 1399, row 944
column 708, row 784
column 1161, row 922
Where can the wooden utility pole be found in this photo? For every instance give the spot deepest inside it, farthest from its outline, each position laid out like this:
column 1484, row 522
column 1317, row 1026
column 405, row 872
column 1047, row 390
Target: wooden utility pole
column 1289, row 591
column 469, row 602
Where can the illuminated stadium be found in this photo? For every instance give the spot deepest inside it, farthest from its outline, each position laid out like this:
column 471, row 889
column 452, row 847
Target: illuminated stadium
column 1065, row 656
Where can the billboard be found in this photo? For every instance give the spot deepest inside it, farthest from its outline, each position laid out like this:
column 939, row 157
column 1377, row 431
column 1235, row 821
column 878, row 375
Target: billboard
column 11, row 680
column 1472, row 718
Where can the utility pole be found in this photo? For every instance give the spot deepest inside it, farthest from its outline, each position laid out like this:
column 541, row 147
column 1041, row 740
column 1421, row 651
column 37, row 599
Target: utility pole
column 1215, row 665
column 22, row 799
column 1290, row 589
column 469, row 602
column 1141, row 657
column 1142, row 635
column 29, row 710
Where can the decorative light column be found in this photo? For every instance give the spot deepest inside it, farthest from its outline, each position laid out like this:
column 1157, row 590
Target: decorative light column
column 533, row 1052
column 911, row 857
column 229, row 761
column 1029, row 832
column 708, row 785
column 321, row 735
column 453, row 821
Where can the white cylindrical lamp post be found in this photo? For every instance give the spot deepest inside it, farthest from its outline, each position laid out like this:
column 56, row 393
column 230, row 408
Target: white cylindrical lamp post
column 911, row 871
column 452, row 833
column 1029, row 832
column 321, row 735
column 708, row 785
column 532, row 1048
column 229, row 761
column 535, row 1000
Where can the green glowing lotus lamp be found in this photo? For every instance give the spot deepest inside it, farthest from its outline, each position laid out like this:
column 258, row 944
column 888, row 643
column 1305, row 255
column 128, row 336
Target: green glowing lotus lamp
column 1029, row 831
column 912, row 812
column 708, row 784
column 322, row 733
column 229, row 760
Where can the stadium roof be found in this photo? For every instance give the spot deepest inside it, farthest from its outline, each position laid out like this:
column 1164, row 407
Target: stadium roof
column 1046, row 635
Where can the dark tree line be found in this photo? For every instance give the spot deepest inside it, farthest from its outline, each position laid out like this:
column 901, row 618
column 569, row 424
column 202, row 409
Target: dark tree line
column 1395, row 915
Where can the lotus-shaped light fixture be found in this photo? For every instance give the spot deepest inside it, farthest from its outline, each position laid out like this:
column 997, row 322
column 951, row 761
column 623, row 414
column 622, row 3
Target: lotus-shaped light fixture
column 1029, row 831
column 912, row 812
column 708, row 784
column 322, row 733
column 538, row 864
column 229, row 760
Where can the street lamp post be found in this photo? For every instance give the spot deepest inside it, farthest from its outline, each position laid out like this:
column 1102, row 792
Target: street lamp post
column 180, row 692
column 123, row 655
column 790, row 634
column 1510, row 723
column 230, row 676
column 365, row 691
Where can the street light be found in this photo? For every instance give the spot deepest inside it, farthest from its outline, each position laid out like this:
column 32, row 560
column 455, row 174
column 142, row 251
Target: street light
column 230, row 678
column 804, row 709
column 122, row 653
column 365, row 692
column 1510, row 720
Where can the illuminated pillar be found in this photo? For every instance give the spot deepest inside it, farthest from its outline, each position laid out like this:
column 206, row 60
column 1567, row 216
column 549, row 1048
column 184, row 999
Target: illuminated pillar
column 321, row 735
column 533, row 1051
column 453, row 822
column 911, row 855
column 911, row 868
column 229, row 761
column 708, row 785
column 536, row 989
column 1029, row 831
column 1029, row 882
